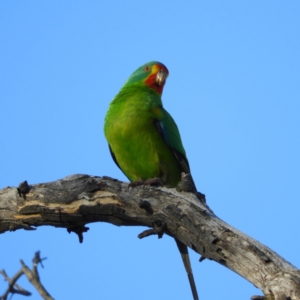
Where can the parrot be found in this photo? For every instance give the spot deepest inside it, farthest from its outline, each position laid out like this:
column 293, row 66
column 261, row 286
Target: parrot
column 144, row 140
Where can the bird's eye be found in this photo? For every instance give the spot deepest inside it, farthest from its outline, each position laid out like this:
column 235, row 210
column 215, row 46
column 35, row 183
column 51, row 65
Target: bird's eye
column 147, row 68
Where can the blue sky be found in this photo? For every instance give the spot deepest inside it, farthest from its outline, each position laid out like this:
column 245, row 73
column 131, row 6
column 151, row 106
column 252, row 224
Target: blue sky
column 233, row 90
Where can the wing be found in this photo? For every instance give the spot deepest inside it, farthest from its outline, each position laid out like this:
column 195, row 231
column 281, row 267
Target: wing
column 115, row 160
column 170, row 133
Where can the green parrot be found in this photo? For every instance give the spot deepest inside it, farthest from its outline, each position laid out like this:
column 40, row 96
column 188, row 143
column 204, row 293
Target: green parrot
column 143, row 138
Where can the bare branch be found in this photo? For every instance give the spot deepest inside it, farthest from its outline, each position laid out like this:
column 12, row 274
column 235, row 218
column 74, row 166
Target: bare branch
column 32, row 276
column 13, row 287
column 78, row 200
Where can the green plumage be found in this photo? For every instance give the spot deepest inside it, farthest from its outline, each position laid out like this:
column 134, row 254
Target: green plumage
column 143, row 137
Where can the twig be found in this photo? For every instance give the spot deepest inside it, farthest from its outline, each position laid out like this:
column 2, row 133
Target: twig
column 32, row 276
column 13, row 287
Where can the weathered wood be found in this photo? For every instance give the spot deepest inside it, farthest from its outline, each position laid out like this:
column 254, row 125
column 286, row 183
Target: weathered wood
column 78, row 200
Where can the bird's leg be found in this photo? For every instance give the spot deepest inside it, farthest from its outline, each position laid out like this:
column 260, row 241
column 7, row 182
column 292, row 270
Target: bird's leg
column 136, row 183
column 151, row 181
column 154, row 181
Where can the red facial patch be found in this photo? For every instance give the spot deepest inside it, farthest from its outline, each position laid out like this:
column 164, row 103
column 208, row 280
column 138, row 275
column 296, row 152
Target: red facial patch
column 151, row 79
column 151, row 82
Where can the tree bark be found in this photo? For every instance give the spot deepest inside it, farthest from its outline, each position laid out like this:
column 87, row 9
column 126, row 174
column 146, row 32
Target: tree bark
column 78, row 200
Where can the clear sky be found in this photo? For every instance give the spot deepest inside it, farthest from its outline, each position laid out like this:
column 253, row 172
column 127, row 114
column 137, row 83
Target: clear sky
column 233, row 90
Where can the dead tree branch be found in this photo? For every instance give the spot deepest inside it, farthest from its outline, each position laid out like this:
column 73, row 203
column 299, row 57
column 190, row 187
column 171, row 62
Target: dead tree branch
column 32, row 276
column 78, row 200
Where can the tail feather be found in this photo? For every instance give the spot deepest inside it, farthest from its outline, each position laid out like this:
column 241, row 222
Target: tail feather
column 187, row 264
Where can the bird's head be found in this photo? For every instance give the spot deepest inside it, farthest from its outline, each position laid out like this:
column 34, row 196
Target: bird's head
column 153, row 74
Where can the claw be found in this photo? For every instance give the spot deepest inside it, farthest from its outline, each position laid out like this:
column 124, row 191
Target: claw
column 136, row 183
column 151, row 181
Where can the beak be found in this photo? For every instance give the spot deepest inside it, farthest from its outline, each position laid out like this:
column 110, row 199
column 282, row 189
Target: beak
column 161, row 77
